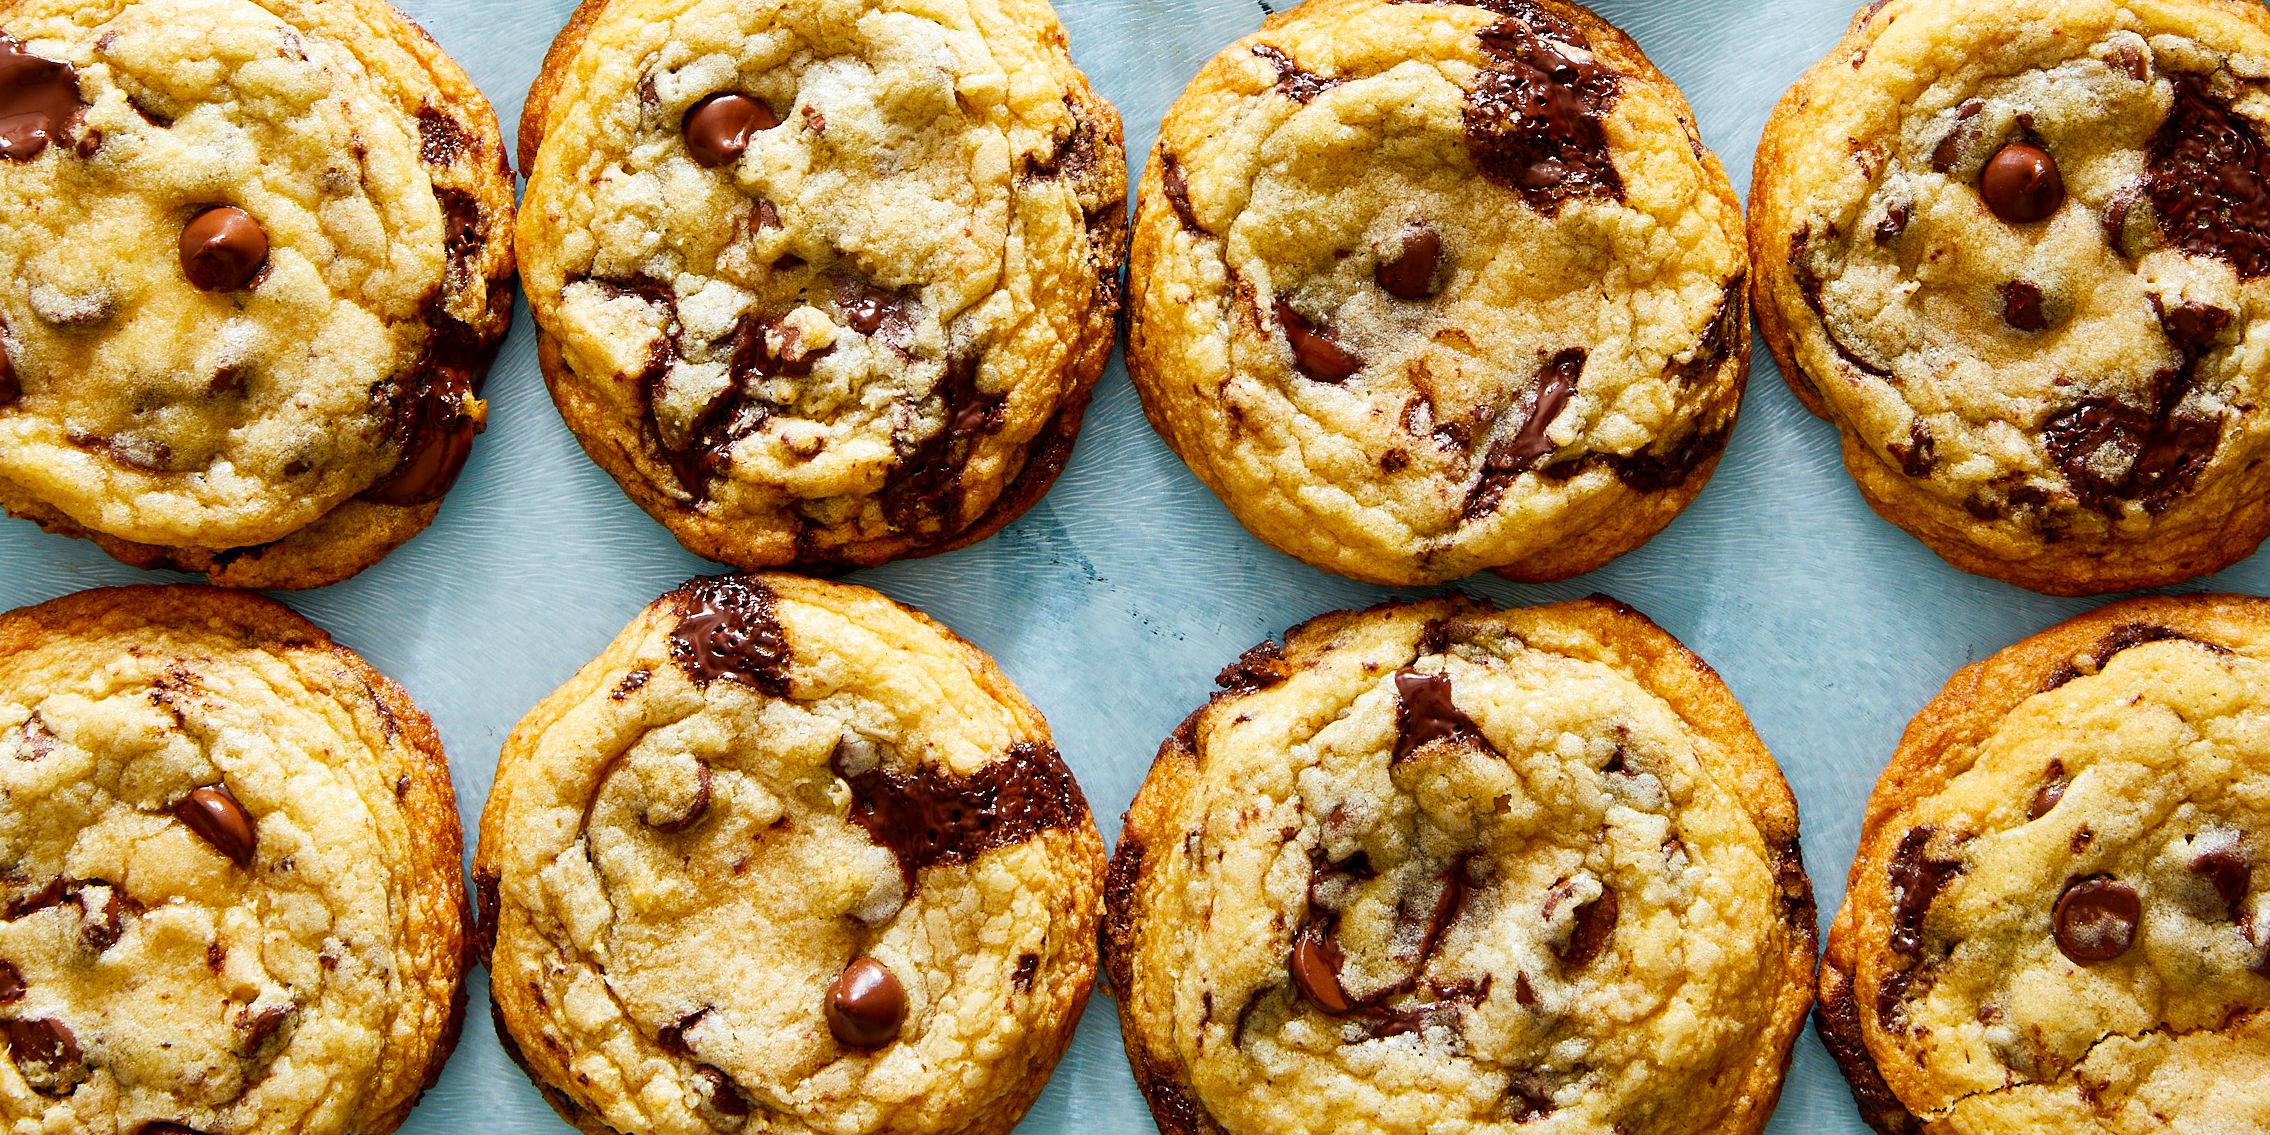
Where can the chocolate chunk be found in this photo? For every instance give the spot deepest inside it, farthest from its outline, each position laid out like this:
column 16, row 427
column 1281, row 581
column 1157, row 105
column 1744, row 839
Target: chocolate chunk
column 2052, row 790
column 1028, row 968
column 2131, row 62
column 1257, row 669
column 868, row 309
column 718, row 128
column 223, row 249
column 1315, row 968
column 2021, row 184
column 681, row 816
column 256, row 1027
column 1526, row 1098
column 1425, row 713
column 39, row 101
column 2021, row 307
column 163, row 1127
column 1513, row 456
column 927, row 816
column 11, row 387
column 1719, row 334
column 2096, row 919
column 12, row 984
column 440, row 139
column 2229, row 872
column 102, row 918
column 1178, row 192
column 1316, row 353
column 2122, row 637
column 1916, row 880
column 2209, row 181
column 46, row 1055
column 436, row 431
column 1949, row 152
column 488, row 903
column 925, row 491
column 866, row 1006
column 1651, row 470
column 1809, row 285
column 1896, row 216
column 1919, row 454
column 1533, row 115
column 727, row 629
column 2191, row 325
column 1595, row 924
column 1410, row 274
column 216, row 817
column 1837, row 1019
column 1293, row 81
column 2112, row 450
column 721, row 1100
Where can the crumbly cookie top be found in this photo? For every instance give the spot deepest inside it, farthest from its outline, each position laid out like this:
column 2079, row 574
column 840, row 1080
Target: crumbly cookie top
column 1421, row 279
column 2059, row 925
column 1444, row 869
column 232, row 898
column 789, row 858
column 171, row 383
column 819, row 271
column 2022, row 247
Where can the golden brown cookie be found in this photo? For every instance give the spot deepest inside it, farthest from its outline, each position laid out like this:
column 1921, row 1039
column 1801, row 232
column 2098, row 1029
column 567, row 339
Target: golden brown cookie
column 2014, row 252
column 1441, row 867
column 2055, row 921
column 255, row 265
column 820, row 282
column 787, row 857
column 1422, row 290
column 233, row 900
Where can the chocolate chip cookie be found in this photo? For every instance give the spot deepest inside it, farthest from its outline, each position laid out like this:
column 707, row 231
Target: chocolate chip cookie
column 256, row 266
column 1441, row 867
column 820, row 283
column 232, row 898
column 1427, row 289
column 2055, row 920
column 787, row 857
column 2013, row 252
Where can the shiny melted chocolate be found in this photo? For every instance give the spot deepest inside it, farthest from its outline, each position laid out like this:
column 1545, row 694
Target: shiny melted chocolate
column 929, row 817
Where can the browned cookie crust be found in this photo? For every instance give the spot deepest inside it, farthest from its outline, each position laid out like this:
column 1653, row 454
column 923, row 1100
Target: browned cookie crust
column 910, row 429
column 2017, row 254
column 2053, row 922
column 234, row 898
column 1442, row 867
column 251, row 318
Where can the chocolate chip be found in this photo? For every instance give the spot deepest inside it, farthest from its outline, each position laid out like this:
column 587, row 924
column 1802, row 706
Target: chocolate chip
column 217, row 818
column 927, row 816
column 1315, row 969
column 2021, row 184
column 2228, row 871
column 2191, row 325
column 1512, row 456
column 866, row 1006
column 1178, row 192
column 1028, row 968
column 11, row 387
column 1410, row 273
column 1294, row 81
column 256, row 1027
column 1595, row 924
column 223, row 249
column 2209, row 180
column 1895, row 220
column 1919, row 454
column 1316, row 353
column 437, row 435
column 102, row 920
column 1533, row 115
column 1949, row 152
column 2021, row 307
column 717, row 129
column 2096, row 919
column 727, row 629
column 2052, row 790
column 722, row 1103
column 440, row 139
column 1916, row 880
column 680, row 816
column 39, row 101
column 1425, row 713
column 46, row 1055
column 12, row 985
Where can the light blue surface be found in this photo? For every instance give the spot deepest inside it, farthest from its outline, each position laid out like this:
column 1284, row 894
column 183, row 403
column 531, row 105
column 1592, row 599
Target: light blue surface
column 1114, row 602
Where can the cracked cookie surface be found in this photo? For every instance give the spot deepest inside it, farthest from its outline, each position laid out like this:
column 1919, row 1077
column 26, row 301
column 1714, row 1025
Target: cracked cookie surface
column 2055, row 922
column 233, row 899
column 256, row 264
column 822, row 281
column 2018, row 254
column 788, row 857
column 1422, row 290
column 1441, row 868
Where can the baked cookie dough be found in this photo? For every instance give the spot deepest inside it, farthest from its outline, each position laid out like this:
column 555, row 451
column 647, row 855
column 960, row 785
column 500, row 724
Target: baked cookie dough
column 1422, row 290
column 233, row 901
column 787, row 857
column 2055, row 921
column 822, row 282
column 2016, row 253
column 254, row 263
column 1443, row 868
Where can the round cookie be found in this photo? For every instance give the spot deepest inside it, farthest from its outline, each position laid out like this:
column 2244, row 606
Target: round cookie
column 2015, row 252
column 233, row 898
column 821, row 282
column 787, row 857
column 2054, row 921
column 1422, row 290
column 1443, row 868
column 256, row 264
